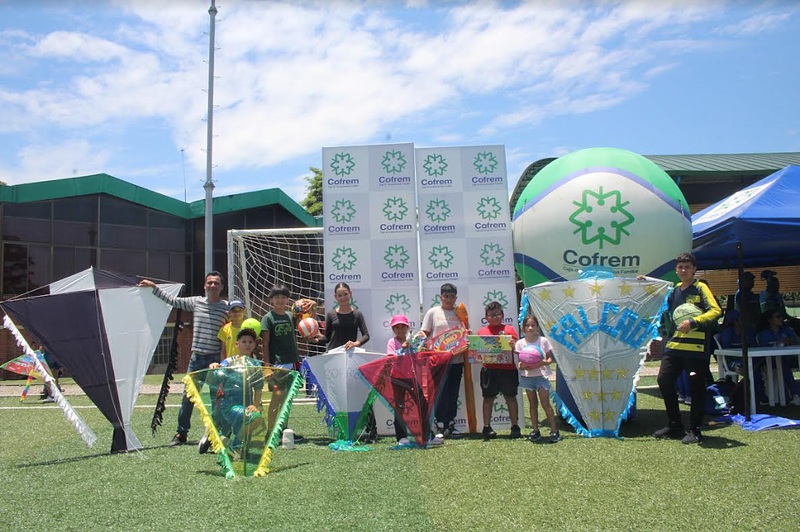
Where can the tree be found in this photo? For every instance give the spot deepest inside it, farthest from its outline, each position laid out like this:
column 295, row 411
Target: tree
column 312, row 203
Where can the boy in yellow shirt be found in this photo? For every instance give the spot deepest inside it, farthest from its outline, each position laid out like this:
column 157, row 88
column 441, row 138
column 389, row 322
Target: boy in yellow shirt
column 229, row 331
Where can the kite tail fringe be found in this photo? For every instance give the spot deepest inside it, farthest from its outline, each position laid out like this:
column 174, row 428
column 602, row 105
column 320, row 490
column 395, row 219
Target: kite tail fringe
column 323, row 404
column 224, row 461
column 366, row 410
column 568, row 417
column 626, row 412
column 172, row 366
column 80, row 425
column 194, row 396
column 277, row 430
column 524, row 308
column 283, row 416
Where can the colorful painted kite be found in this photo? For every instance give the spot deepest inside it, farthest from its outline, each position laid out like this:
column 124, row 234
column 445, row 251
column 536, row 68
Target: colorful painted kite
column 24, row 365
column 597, row 327
column 103, row 329
column 409, row 385
column 231, row 399
column 345, row 399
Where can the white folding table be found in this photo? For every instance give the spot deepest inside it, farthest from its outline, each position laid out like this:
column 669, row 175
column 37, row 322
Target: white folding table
column 770, row 354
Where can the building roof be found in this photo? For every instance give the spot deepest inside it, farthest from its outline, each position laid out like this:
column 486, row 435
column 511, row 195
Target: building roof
column 700, row 166
column 107, row 184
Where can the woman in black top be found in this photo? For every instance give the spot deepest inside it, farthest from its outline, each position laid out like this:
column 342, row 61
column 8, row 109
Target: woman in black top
column 343, row 323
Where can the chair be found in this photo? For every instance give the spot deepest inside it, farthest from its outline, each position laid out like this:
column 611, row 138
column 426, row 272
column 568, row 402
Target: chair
column 724, row 369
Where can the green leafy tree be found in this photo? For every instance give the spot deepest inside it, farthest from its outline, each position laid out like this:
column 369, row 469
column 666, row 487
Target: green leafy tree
column 312, row 203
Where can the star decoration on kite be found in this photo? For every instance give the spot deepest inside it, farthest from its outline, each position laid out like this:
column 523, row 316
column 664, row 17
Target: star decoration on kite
column 569, row 292
column 495, row 295
column 588, row 395
column 579, row 373
column 609, row 416
column 440, row 257
column 397, row 304
column 544, row 295
column 395, row 209
column 616, row 395
column 625, row 289
column 342, row 164
column 344, row 259
column 393, row 162
column 489, row 208
column 435, row 164
column 622, row 373
column 485, row 162
column 492, row 254
column 343, row 211
column 396, row 257
column 438, row 210
column 596, row 288
column 600, row 203
column 607, row 373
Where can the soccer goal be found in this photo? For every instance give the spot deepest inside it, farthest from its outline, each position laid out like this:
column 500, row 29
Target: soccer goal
column 258, row 259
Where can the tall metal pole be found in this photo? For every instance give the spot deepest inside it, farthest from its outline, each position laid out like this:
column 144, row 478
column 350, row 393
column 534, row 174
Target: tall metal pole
column 209, row 185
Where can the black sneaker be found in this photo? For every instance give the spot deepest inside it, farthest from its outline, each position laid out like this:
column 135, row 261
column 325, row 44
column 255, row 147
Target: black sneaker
column 452, row 432
column 489, row 433
column 534, row 436
column 204, row 445
column 515, row 432
column 670, row 431
column 554, row 437
column 178, row 439
column 299, row 439
column 693, row 436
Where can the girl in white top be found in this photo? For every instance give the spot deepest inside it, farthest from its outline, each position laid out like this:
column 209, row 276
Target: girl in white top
column 533, row 377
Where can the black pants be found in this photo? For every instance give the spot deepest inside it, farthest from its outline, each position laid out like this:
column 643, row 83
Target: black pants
column 672, row 365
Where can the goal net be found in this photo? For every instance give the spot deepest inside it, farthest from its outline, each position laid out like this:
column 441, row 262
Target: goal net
column 259, row 259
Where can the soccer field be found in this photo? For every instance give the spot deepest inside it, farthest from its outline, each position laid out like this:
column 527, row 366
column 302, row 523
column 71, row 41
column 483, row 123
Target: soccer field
column 734, row 480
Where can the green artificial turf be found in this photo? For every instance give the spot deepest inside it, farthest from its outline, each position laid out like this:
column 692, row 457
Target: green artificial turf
column 734, row 480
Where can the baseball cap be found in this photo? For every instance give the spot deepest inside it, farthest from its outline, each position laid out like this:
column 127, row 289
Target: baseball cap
column 235, row 303
column 400, row 319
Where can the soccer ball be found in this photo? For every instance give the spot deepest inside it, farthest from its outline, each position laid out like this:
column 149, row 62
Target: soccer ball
column 253, row 324
column 532, row 354
column 685, row 312
column 308, row 327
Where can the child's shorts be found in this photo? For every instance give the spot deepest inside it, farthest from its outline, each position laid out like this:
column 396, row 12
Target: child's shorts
column 534, row 383
column 494, row 381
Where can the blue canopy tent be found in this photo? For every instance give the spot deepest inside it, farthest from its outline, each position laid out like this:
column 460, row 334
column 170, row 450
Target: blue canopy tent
column 764, row 218
column 756, row 226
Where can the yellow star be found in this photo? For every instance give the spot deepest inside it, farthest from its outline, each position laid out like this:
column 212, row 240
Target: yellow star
column 593, row 373
column 622, row 373
column 595, row 415
column 544, row 295
column 625, row 289
column 607, row 374
column 549, row 326
column 650, row 289
column 579, row 373
column 600, row 396
column 596, row 288
column 609, row 416
column 616, row 395
column 587, row 395
column 569, row 292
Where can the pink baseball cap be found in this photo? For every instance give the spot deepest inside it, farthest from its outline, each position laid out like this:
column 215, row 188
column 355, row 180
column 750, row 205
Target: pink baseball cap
column 400, row 319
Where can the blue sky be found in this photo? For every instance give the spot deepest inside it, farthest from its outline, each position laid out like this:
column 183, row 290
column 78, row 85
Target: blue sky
column 117, row 86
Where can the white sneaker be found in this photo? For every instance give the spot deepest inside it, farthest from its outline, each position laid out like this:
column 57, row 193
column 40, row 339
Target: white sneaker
column 795, row 400
column 437, row 440
column 403, row 441
column 452, row 431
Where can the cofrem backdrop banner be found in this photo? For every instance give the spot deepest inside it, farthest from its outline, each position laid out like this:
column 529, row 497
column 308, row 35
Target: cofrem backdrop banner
column 465, row 239
column 370, row 233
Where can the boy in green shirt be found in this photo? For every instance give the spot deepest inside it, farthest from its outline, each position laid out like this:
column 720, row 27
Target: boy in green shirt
column 280, row 348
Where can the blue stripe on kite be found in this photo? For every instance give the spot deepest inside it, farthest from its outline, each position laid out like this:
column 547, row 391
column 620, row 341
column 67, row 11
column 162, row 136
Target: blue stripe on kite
column 538, row 266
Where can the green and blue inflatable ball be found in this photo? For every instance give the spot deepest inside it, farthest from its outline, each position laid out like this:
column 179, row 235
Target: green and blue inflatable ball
column 599, row 207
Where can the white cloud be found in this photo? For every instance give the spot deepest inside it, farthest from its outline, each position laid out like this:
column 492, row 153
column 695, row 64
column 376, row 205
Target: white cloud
column 41, row 162
column 297, row 76
column 755, row 24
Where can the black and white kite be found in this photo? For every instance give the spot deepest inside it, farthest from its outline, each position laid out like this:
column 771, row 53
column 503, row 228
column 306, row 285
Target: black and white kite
column 103, row 329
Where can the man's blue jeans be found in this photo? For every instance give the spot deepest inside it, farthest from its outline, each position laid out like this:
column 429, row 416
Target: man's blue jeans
column 196, row 363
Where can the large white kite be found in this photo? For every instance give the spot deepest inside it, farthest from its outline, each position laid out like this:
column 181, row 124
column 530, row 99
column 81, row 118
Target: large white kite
column 103, row 329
